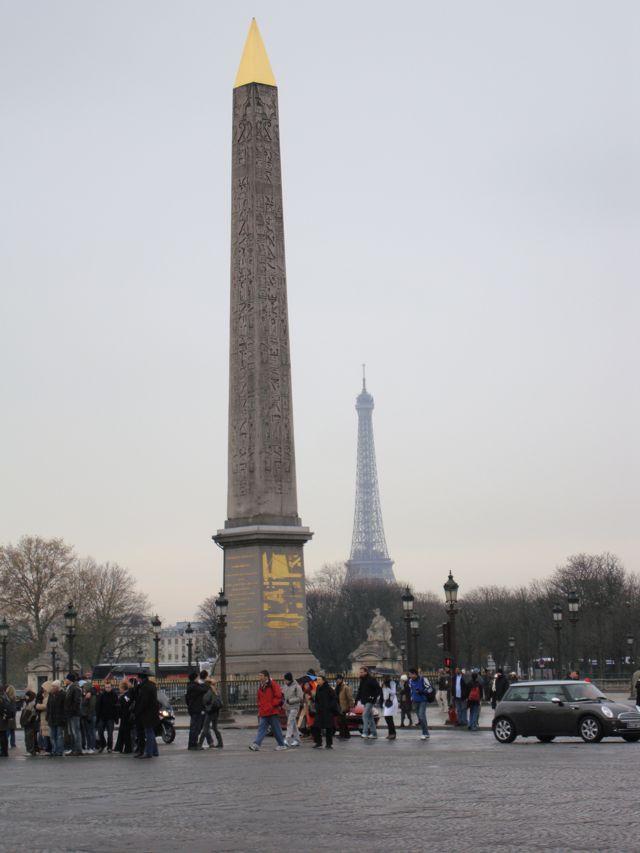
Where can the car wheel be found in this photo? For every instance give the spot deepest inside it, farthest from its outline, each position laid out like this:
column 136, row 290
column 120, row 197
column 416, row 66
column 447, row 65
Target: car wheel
column 545, row 738
column 631, row 738
column 590, row 730
column 504, row 730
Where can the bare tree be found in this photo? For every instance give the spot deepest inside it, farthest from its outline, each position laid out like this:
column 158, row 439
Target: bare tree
column 36, row 576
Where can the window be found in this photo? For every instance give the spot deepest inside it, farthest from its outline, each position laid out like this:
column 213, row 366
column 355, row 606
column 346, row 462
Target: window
column 547, row 692
column 517, row 694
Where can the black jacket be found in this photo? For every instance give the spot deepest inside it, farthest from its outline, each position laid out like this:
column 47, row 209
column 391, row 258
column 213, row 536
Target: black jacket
column 107, row 706
column 147, row 704
column 326, row 707
column 369, row 690
column 55, row 709
column 194, row 697
column 72, row 701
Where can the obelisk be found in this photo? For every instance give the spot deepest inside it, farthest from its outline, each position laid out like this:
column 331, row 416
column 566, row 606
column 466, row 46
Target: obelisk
column 263, row 536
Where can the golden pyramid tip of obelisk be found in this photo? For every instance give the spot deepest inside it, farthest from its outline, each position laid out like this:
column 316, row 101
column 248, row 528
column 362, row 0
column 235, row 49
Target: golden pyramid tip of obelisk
column 254, row 65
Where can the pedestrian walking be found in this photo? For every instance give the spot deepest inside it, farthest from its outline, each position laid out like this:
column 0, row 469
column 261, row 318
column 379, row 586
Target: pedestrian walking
column 194, row 696
column 442, row 693
column 499, row 684
column 420, row 686
column 346, row 702
column 369, row 694
column 474, row 698
column 270, row 703
column 29, row 721
column 147, row 714
column 327, row 709
column 212, row 704
column 389, row 705
column 106, row 717
column 405, row 701
column 293, row 698
column 44, row 735
column 72, row 712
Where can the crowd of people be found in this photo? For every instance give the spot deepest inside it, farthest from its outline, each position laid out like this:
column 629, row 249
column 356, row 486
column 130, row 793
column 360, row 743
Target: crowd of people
column 74, row 717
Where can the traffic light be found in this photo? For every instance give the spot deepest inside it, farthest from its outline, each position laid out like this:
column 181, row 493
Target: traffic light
column 448, row 661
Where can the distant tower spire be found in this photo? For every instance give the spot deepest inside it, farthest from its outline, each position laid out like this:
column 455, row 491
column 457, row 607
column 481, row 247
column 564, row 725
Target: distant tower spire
column 369, row 557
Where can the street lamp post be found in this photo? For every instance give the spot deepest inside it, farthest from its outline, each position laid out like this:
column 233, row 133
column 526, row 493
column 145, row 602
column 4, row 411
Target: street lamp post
column 53, row 645
column 451, row 604
column 512, row 657
column 573, row 603
column 70, row 616
column 156, row 624
column 403, row 652
column 630, row 641
column 4, row 639
column 557, row 624
column 415, row 632
column 407, row 607
column 189, row 632
column 222, row 605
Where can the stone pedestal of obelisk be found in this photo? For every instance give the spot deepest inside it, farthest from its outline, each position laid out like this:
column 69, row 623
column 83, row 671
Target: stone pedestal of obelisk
column 263, row 536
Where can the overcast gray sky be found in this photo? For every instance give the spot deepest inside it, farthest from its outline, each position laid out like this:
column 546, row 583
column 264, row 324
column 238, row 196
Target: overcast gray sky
column 461, row 186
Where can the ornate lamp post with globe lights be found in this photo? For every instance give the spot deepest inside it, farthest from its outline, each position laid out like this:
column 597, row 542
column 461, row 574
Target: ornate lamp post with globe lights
column 451, row 604
column 557, row 624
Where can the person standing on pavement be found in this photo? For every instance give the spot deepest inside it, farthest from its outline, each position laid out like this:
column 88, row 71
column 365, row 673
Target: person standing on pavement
column 212, row 704
column 327, row 709
column 474, row 698
column 88, row 717
column 460, row 691
column 125, row 714
column 56, row 719
column 293, row 698
column 44, row 737
column 72, row 711
column 195, row 707
column 107, row 716
column 442, row 693
column 29, row 721
column 147, row 714
column 344, row 695
column 389, row 706
column 405, row 700
column 270, row 703
column 369, row 694
column 7, row 716
column 499, row 684
column 419, row 685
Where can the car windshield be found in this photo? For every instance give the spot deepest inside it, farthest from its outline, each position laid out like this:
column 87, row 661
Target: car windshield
column 583, row 692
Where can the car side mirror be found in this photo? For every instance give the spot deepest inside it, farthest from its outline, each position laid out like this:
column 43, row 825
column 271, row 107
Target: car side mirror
column 557, row 701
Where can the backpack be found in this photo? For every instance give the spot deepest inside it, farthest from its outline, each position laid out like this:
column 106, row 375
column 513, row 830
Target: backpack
column 27, row 717
column 474, row 693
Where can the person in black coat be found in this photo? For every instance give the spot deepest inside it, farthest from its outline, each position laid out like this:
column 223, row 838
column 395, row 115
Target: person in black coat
column 326, row 710
column 56, row 718
column 7, row 714
column 499, row 687
column 106, row 716
column 125, row 712
column 147, row 714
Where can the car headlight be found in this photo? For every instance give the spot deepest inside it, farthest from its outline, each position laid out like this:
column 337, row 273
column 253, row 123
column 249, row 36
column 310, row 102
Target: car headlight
column 607, row 712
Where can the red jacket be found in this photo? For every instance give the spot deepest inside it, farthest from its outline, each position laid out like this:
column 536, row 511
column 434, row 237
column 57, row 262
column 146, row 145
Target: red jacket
column 269, row 699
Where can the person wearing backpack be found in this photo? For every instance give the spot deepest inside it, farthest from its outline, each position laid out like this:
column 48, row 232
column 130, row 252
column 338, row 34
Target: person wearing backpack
column 420, row 688
column 212, row 703
column 29, row 721
column 474, row 699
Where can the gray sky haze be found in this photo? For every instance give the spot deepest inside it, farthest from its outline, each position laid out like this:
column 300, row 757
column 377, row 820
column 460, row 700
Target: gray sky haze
column 461, row 186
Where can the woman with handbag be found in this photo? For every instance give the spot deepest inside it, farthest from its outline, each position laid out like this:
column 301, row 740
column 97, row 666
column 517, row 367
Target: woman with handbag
column 389, row 705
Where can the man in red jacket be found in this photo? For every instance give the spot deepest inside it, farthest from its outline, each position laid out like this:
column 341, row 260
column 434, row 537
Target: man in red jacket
column 269, row 704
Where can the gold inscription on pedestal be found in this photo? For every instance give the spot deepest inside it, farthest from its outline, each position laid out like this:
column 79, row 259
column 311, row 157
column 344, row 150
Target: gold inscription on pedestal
column 282, row 590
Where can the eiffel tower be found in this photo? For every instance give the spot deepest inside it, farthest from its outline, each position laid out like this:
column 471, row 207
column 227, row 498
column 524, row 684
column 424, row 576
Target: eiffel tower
column 369, row 557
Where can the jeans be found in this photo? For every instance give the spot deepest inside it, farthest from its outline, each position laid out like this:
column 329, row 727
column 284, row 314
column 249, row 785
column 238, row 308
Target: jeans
column 461, row 711
column 195, row 727
column 368, row 723
column 73, row 726
column 421, row 711
column 56, row 733
column 263, row 725
column 210, row 725
column 474, row 715
column 442, row 700
column 150, row 745
column 89, row 731
column 292, row 726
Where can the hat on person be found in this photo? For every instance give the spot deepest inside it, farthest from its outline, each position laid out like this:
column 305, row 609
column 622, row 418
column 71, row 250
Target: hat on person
column 70, row 676
column 143, row 674
column 404, row 677
column 288, row 676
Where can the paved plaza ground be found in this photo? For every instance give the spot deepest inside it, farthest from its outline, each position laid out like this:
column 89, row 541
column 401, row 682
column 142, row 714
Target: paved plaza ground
column 460, row 792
